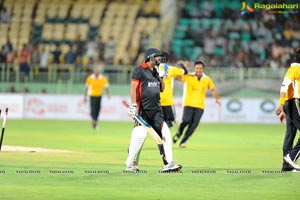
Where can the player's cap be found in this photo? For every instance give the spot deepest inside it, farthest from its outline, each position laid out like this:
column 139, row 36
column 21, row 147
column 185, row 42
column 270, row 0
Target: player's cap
column 152, row 52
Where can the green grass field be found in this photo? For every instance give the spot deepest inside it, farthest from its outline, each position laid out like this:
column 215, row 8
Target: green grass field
column 244, row 161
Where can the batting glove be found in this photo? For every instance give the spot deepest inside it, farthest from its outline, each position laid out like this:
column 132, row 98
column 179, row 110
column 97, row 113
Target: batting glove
column 132, row 110
column 163, row 70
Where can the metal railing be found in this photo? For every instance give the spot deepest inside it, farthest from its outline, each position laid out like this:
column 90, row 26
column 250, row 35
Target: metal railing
column 65, row 78
column 61, row 73
column 242, row 74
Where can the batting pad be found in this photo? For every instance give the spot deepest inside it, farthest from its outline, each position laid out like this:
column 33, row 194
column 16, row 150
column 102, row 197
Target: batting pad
column 138, row 136
column 166, row 133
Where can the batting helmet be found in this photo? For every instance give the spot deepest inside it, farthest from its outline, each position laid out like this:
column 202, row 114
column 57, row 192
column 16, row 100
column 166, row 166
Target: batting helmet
column 151, row 53
column 165, row 57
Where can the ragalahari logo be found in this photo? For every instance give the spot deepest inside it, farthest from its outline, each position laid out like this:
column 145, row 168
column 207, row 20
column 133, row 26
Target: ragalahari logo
column 246, row 9
column 271, row 8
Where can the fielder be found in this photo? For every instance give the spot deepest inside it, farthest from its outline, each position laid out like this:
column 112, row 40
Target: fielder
column 94, row 86
column 289, row 108
column 290, row 133
column 195, row 88
column 146, row 85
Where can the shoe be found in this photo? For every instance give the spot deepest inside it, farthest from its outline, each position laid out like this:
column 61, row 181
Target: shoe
column 94, row 124
column 183, row 145
column 287, row 169
column 175, row 138
column 295, row 170
column 132, row 168
column 288, row 160
column 171, row 167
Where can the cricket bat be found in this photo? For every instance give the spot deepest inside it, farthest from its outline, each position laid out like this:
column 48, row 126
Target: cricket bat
column 146, row 125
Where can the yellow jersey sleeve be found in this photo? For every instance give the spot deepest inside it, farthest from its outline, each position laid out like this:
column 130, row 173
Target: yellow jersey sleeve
column 166, row 97
column 185, row 77
column 290, row 90
column 210, row 83
column 292, row 75
column 175, row 71
column 88, row 81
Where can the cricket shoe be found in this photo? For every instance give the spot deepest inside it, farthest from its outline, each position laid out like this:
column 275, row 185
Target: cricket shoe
column 288, row 160
column 295, row 171
column 94, row 124
column 132, row 168
column 171, row 167
column 183, row 145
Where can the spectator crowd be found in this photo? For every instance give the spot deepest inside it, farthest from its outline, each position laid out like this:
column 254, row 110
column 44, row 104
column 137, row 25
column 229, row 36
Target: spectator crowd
column 259, row 39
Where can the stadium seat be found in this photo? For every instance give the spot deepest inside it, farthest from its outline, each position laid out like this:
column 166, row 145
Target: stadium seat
column 62, row 12
column 70, row 36
column 3, row 33
column 64, row 48
column 179, row 35
column 95, row 20
column 8, row 5
column 194, row 23
column 188, row 42
column 218, row 51
column 184, row 21
column 14, row 29
column 76, row 12
column 178, row 51
column 245, row 36
column 187, row 51
column 197, row 51
column 3, row 39
column 52, row 11
column 205, row 23
column 181, row 28
column 47, row 36
column 234, row 35
column 14, row 40
column 50, row 21
column 59, row 32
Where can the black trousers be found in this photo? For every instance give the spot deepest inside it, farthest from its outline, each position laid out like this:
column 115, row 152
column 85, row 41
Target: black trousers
column 154, row 118
column 290, row 134
column 191, row 118
column 169, row 114
column 293, row 112
column 95, row 104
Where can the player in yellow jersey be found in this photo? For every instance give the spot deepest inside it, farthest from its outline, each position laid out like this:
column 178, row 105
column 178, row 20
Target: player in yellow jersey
column 290, row 131
column 166, row 97
column 289, row 108
column 195, row 88
column 94, row 89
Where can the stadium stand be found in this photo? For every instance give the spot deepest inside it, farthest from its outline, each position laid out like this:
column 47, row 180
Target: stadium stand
column 55, row 29
column 115, row 33
column 216, row 29
column 60, row 22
